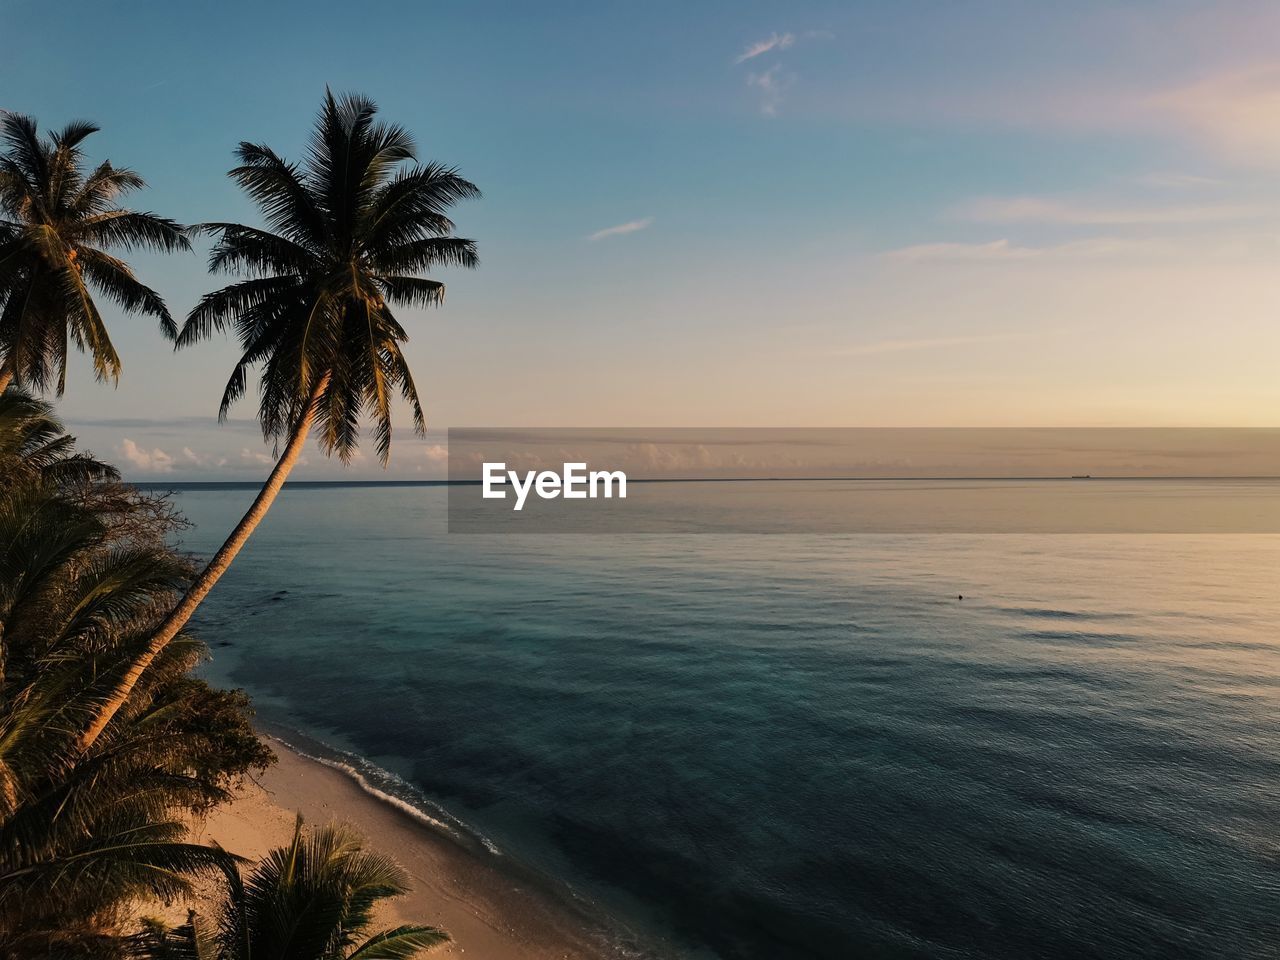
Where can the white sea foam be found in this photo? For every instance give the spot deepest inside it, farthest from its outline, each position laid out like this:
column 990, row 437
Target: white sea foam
column 363, row 772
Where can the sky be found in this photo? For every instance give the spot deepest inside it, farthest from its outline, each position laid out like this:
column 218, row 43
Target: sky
column 724, row 214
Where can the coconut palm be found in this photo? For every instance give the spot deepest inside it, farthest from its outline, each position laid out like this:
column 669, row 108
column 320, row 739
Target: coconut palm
column 85, row 576
column 58, row 220
column 350, row 230
column 310, row 900
column 34, row 445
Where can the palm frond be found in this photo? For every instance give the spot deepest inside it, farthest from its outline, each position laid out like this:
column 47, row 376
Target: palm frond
column 85, row 576
column 412, row 291
column 216, row 309
column 284, row 198
column 132, row 230
column 103, row 186
column 348, row 231
column 315, row 897
column 61, row 217
column 114, row 278
column 399, row 943
column 429, row 252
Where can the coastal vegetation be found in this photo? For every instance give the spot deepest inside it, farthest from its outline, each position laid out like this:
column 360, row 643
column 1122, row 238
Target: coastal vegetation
column 85, row 575
column 313, row 898
column 58, row 220
column 109, row 744
column 348, row 234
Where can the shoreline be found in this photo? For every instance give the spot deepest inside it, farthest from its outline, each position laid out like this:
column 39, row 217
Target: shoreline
column 483, row 903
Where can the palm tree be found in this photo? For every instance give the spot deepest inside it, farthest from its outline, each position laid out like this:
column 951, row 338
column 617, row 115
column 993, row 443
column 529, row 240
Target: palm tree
column 34, row 445
column 310, row 900
column 57, row 221
column 85, row 576
column 350, row 230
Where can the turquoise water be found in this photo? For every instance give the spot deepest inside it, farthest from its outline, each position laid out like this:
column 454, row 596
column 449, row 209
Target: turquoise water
column 799, row 746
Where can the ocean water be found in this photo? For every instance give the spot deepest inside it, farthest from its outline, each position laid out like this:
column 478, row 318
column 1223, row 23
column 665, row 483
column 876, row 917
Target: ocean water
column 796, row 746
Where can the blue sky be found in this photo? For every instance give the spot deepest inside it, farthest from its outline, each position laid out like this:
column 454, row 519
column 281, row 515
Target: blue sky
column 837, row 213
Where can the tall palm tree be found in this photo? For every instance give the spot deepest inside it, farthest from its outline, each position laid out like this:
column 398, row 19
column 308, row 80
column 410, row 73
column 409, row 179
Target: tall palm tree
column 350, row 231
column 310, row 900
column 85, row 576
column 58, row 219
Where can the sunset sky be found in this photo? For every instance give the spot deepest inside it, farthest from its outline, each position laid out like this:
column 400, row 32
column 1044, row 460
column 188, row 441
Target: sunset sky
column 727, row 214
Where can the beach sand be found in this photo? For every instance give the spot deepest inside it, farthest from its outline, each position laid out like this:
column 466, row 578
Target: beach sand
column 486, row 910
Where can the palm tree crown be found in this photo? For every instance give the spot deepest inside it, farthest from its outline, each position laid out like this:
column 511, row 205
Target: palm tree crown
column 313, row 899
column 350, row 230
column 57, row 221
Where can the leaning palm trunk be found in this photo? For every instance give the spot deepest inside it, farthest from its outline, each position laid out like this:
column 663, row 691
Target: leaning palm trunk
column 212, row 573
column 349, row 233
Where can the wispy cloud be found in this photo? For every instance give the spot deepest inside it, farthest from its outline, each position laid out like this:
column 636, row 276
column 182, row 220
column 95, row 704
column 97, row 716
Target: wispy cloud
column 770, row 83
column 1002, row 251
column 995, row 250
column 435, row 463
column 255, row 457
column 776, row 41
column 1176, row 181
column 631, row 226
column 1051, row 210
column 1234, row 111
column 192, row 459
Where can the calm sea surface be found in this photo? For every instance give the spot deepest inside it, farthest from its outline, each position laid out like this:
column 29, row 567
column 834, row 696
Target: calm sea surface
column 798, row 746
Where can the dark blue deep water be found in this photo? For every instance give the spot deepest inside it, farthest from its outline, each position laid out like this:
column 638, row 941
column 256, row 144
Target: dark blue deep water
column 794, row 746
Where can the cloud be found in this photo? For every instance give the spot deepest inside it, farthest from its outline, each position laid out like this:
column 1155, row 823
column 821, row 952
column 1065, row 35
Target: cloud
column 255, row 457
column 157, row 460
column 631, row 226
column 1234, row 111
column 436, row 460
column 995, row 250
column 1050, row 210
column 776, row 41
column 1001, row 251
column 149, row 461
column 770, row 84
column 1176, row 181
column 194, row 459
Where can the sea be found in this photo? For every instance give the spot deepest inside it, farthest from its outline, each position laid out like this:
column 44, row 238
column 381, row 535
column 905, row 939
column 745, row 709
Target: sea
column 786, row 746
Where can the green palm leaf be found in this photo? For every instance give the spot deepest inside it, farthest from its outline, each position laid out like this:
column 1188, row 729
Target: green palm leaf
column 312, row 899
column 85, row 577
column 347, row 233
column 400, row 943
column 58, row 220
